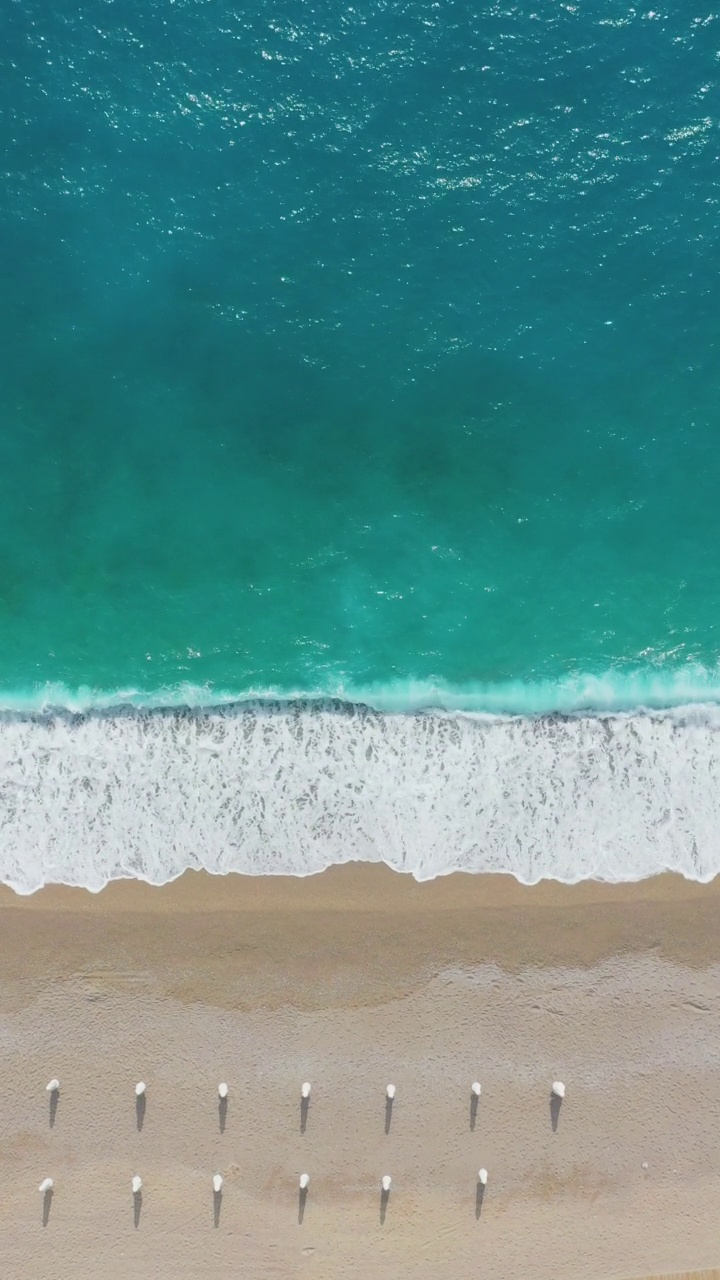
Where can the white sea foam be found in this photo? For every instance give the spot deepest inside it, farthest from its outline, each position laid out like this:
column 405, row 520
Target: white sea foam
column 291, row 788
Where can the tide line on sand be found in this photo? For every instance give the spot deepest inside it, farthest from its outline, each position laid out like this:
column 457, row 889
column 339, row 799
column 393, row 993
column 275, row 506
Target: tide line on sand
column 713, row 1274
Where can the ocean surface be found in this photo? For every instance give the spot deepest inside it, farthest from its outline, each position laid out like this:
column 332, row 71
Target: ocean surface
column 359, row 438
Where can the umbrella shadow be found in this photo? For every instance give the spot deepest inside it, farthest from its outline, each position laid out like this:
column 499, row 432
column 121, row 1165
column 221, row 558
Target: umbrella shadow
column 479, row 1197
column 54, row 1099
column 137, row 1208
column 222, row 1113
column 474, row 1100
column 388, row 1113
column 304, row 1108
column 384, row 1197
column 47, row 1206
column 217, row 1206
column 302, row 1201
column 555, row 1105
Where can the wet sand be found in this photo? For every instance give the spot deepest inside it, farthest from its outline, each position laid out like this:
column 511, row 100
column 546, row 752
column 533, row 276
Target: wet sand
column 351, row 980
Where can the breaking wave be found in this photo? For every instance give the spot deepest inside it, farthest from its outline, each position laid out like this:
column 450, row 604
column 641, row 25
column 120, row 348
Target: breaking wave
column 91, row 793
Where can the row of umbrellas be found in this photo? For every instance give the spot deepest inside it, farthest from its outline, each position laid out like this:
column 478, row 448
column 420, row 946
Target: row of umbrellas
column 558, row 1089
column 136, row 1183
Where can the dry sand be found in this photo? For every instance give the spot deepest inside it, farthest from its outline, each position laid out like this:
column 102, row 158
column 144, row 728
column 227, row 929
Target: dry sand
column 353, row 979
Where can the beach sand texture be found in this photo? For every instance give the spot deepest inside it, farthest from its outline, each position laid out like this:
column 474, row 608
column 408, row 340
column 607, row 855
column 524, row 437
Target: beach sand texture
column 351, row 980
column 714, row 1274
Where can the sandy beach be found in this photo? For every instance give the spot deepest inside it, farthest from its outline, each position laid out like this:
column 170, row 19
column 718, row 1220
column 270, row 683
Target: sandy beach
column 351, row 980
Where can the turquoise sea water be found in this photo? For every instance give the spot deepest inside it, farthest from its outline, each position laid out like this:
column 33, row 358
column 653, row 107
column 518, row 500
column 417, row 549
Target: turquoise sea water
column 352, row 345
column 366, row 349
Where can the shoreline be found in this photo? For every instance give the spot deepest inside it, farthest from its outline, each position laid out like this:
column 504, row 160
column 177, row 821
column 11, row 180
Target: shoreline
column 569, row 924
column 352, row 978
